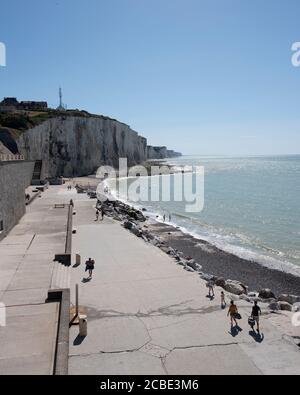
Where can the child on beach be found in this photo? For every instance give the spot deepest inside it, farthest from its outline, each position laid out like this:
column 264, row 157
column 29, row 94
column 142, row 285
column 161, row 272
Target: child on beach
column 233, row 311
column 223, row 302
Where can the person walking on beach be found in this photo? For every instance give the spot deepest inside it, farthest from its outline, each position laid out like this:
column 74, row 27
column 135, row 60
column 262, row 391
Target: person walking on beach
column 223, row 302
column 232, row 312
column 97, row 215
column 256, row 313
column 90, row 266
column 164, row 217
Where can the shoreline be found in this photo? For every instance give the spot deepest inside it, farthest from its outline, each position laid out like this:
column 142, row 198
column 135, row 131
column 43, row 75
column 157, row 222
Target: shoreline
column 220, row 263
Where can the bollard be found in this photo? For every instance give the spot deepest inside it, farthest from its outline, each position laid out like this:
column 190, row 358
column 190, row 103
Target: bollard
column 82, row 325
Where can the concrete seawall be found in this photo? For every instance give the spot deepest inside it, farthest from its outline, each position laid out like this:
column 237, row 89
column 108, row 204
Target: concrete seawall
column 15, row 177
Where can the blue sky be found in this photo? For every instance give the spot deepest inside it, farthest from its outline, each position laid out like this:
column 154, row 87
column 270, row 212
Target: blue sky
column 201, row 76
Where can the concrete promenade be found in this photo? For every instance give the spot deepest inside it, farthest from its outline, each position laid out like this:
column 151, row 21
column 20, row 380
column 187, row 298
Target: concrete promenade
column 27, row 342
column 146, row 315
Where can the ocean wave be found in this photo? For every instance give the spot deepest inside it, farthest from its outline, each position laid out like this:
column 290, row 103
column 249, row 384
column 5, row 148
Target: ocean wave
column 222, row 243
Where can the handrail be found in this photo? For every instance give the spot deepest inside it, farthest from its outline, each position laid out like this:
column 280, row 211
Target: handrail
column 10, row 157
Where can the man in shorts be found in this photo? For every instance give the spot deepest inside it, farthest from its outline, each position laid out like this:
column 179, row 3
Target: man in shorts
column 256, row 313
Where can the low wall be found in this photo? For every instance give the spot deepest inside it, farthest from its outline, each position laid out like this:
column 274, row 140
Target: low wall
column 15, row 177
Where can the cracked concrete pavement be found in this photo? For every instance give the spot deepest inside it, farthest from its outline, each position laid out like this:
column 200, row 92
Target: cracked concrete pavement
column 146, row 315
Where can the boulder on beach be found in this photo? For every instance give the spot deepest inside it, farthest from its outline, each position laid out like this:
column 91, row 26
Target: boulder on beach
column 253, row 294
column 135, row 230
column 266, row 294
column 285, row 306
column 274, row 306
column 165, row 248
column 291, row 299
column 156, row 242
column 235, row 287
column 207, row 277
column 188, row 269
column 128, row 225
column 193, row 264
column 220, row 282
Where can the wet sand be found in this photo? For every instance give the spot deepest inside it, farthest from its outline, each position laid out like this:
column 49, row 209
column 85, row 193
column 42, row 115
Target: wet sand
column 223, row 264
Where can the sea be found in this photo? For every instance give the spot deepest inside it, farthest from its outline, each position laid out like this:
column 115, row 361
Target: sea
column 251, row 207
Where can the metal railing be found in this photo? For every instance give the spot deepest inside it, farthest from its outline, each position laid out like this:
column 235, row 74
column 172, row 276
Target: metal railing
column 10, row 157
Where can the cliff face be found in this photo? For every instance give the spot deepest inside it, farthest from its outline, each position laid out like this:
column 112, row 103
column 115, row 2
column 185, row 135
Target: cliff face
column 160, row 153
column 77, row 146
column 173, row 154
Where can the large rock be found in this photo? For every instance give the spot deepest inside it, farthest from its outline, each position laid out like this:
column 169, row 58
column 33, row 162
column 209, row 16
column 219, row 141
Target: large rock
column 235, row 287
column 155, row 242
column 285, row 306
column 220, row 282
column 207, row 277
column 165, row 249
column 253, row 294
column 136, row 231
column 291, row 299
column 274, row 306
column 128, row 225
column 193, row 264
column 266, row 294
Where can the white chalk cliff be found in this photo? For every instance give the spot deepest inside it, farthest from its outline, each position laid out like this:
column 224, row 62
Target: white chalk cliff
column 76, row 146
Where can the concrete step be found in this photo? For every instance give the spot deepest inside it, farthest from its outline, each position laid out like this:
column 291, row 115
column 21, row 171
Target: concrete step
column 61, row 276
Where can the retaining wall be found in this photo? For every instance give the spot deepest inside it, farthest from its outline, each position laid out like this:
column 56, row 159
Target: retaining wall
column 15, row 177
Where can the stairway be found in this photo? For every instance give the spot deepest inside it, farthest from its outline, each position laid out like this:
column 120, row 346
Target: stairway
column 37, row 172
column 61, row 276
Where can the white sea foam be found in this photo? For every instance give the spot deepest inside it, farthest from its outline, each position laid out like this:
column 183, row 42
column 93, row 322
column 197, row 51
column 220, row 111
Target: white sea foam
column 233, row 240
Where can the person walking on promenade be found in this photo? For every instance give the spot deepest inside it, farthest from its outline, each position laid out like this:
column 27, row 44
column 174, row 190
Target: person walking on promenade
column 102, row 213
column 97, row 215
column 211, row 291
column 90, row 266
column 256, row 313
column 164, row 217
column 223, row 302
column 72, row 203
column 232, row 312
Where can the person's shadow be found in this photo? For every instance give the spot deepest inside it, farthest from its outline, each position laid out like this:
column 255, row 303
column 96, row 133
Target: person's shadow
column 86, row 280
column 258, row 337
column 235, row 330
column 79, row 339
